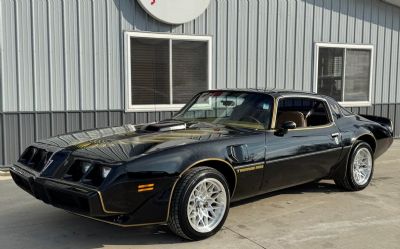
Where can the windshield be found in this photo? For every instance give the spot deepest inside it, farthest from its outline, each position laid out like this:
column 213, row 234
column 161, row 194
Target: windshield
column 241, row 109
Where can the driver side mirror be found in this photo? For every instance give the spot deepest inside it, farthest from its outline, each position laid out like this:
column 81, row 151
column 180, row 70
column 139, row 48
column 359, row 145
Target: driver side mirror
column 287, row 125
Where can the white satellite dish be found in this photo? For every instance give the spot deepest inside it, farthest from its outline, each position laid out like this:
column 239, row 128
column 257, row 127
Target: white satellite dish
column 174, row 11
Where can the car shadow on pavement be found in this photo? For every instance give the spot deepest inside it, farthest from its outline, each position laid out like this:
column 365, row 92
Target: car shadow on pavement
column 313, row 187
column 60, row 229
column 43, row 226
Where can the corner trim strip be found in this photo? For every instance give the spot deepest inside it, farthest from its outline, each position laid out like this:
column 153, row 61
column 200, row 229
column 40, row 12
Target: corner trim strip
column 303, row 155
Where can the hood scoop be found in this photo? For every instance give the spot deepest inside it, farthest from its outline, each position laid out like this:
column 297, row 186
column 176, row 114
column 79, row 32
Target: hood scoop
column 166, row 126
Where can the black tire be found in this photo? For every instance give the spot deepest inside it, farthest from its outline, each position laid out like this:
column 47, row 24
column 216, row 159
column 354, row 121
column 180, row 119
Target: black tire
column 348, row 182
column 178, row 221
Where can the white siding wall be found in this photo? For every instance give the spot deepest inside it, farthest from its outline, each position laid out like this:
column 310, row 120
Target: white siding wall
column 62, row 61
column 65, row 55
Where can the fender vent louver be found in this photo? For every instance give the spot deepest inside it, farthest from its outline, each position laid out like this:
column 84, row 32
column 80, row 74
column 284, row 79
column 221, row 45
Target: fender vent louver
column 239, row 153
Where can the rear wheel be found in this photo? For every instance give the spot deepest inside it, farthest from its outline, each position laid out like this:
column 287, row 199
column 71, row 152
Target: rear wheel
column 200, row 204
column 359, row 170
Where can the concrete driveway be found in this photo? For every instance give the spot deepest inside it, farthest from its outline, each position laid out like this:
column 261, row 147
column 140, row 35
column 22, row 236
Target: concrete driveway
column 309, row 216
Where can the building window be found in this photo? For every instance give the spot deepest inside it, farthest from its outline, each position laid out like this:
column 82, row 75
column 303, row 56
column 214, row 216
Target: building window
column 344, row 72
column 164, row 71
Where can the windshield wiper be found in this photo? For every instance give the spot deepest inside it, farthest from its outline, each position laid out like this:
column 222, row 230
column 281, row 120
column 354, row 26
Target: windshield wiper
column 203, row 123
column 175, row 119
column 233, row 127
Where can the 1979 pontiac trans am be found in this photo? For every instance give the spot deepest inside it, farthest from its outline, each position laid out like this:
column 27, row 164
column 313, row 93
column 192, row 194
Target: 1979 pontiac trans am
column 223, row 146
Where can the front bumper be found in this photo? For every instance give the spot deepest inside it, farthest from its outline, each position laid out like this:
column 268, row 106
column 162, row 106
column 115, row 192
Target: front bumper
column 122, row 205
column 76, row 199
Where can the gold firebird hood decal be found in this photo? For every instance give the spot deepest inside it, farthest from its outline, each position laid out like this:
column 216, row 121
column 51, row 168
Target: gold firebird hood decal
column 134, row 138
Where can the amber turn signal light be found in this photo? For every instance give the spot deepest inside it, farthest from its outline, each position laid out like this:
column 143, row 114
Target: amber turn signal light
column 146, row 187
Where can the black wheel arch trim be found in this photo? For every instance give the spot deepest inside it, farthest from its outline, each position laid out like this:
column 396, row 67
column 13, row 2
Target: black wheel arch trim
column 196, row 164
column 341, row 170
column 367, row 134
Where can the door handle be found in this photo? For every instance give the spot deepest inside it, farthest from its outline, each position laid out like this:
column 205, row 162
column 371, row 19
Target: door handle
column 333, row 135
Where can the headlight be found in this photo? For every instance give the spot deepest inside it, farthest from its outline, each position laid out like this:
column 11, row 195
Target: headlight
column 105, row 171
column 85, row 166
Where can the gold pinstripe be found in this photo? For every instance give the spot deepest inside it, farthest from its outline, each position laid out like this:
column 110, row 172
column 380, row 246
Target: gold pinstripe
column 170, row 198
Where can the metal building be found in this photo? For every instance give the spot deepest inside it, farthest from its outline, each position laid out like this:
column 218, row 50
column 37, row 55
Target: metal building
column 68, row 65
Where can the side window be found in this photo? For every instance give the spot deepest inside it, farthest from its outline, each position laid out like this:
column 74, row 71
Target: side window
column 305, row 112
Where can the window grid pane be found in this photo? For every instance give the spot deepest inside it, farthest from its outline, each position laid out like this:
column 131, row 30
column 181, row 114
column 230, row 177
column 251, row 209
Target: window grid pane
column 150, row 71
column 357, row 76
column 189, row 69
column 330, row 72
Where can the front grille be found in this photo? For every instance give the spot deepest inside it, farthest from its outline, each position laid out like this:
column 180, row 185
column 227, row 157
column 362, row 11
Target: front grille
column 40, row 193
column 67, row 201
column 35, row 158
column 21, row 182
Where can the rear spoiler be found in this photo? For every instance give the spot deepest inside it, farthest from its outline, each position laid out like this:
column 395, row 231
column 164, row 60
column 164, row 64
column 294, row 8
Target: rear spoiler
column 387, row 122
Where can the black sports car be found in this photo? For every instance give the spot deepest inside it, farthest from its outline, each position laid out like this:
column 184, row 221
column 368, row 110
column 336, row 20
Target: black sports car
column 223, row 146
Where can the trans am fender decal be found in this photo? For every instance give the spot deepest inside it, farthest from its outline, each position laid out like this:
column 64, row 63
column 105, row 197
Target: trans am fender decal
column 249, row 167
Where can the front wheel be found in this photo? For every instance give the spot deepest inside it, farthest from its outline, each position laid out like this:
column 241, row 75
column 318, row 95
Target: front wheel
column 200, row 204
column 359, row 169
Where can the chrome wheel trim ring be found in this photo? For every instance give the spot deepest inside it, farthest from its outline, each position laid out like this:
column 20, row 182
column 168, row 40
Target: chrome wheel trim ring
column 207, row 205
column 362, row 166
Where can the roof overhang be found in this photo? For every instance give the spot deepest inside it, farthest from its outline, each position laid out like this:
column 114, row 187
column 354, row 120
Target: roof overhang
column 394, row 2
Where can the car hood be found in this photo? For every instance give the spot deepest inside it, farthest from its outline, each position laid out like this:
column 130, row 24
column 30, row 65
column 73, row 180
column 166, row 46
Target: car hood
column 124, row 143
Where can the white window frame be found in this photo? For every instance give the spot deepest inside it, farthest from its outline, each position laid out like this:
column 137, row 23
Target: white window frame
column 319, row 45
column 128, row 79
